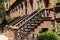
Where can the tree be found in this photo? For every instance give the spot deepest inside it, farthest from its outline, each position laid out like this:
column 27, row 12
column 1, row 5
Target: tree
column 2, row 13
column 48, row 35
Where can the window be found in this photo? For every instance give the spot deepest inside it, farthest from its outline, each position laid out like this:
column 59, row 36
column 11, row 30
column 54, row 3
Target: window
column 31, row 3
column 6, row 6
column 44, row 29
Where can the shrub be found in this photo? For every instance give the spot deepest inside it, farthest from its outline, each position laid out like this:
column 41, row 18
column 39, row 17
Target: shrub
column 58, row 1
column 10, row 19
column 1, row 21
column 47, row 36
column 38, row 8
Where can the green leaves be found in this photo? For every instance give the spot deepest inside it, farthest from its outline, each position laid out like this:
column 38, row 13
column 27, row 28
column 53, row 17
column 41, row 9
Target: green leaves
column 0, row 1
column 58, row 28
column 38, row 8
column 48, row 35
column 1, row 21
column 2, row 12
column 10, row 19
column 6, row 0
column 58, row 1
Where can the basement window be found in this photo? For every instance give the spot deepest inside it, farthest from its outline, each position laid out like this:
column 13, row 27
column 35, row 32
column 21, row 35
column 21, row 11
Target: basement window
column 44, row 29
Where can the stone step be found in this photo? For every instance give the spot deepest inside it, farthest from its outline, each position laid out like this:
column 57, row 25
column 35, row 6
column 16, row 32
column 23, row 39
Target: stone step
column 36, row 19
column 30, row 27
column 27, row 30
column 31, row 24
column 34, row 22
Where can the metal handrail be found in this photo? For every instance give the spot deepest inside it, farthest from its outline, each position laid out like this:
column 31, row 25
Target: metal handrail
column 22, row 22
column 25, row 17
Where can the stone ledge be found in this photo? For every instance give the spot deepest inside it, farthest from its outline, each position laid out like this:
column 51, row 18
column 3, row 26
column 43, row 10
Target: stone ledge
column 12, row 27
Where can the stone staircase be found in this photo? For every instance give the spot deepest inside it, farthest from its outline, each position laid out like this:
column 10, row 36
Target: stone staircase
column 29, row 23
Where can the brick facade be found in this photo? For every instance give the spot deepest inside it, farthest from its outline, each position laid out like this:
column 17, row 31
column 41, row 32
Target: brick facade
column 20, row 9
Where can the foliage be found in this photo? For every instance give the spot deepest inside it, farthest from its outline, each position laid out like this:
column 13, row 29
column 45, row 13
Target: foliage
column 0, row 0
column 2, row 13
column 48, row 35
column 1, row 21
column 58, row 1
column 6, row 0
column 58, row 37
column 53, row 26
column 58, row 28
column 38, row 8
column 10, row 19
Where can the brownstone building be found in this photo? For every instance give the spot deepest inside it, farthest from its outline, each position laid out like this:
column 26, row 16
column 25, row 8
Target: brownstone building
column 28, row 20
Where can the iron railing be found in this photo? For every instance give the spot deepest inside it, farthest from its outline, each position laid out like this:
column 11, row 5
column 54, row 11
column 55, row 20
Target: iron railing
column 26, row 19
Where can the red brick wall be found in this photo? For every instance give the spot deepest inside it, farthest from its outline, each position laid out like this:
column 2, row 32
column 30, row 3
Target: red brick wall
column 11, row 2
